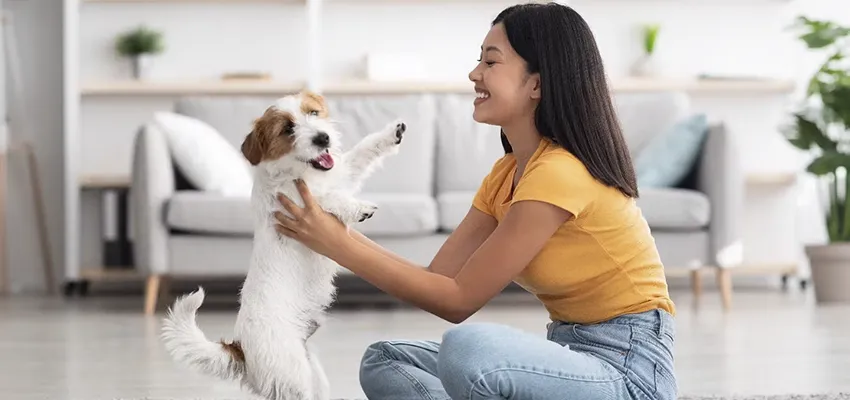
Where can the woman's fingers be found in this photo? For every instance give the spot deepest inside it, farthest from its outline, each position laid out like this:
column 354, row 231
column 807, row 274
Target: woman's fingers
column 284, row 230
column 289, row 205
column 304, row 191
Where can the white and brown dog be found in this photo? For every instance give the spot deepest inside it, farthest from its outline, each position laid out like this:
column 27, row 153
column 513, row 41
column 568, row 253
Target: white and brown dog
column 288, row 286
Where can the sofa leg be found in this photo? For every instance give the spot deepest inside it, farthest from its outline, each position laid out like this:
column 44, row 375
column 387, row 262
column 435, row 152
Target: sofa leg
column 696, row 284
column 724, row 282
column 152, row 290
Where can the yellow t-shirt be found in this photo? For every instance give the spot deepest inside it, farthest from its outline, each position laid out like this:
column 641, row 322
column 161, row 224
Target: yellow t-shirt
column 598, row 265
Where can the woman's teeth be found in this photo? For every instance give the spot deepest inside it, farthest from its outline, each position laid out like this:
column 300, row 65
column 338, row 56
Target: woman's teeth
column 482, row 95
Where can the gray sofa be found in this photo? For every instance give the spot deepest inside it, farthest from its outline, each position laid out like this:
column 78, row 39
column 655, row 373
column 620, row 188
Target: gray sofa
column 423, row 192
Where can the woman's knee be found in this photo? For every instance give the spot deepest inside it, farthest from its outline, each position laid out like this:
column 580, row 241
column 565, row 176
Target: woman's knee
column 468, row 352
column 371, row 364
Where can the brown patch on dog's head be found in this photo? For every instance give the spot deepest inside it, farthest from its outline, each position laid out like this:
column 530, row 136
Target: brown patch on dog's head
column 313, row 103
column 271, row 137
column 234, row 349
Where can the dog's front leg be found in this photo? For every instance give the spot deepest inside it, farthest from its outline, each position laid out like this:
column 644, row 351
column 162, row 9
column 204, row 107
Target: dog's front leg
column 362, row 159
column 348, row 209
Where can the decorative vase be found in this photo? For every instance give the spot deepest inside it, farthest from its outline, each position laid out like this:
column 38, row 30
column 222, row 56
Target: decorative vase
column 645, row 66
column 830, row 268
column 141, row 66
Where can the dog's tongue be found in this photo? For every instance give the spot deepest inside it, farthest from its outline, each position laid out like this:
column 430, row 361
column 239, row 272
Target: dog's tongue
column 325, row 160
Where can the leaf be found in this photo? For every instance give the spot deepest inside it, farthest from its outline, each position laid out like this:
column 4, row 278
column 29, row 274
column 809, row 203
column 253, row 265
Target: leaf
column 806, row 132
column 833, row 217
column 819, row 34
column 828, row 163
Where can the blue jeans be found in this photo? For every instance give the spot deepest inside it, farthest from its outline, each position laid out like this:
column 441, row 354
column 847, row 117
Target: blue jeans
column 628, row 357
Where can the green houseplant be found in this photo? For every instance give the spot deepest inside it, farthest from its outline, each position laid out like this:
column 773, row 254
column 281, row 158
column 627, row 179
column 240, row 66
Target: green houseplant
column 645, row 64
column 139, row 44
column 822, row 128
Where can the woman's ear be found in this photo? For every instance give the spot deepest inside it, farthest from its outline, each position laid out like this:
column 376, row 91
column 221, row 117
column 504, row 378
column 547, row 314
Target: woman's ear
column 535, row 86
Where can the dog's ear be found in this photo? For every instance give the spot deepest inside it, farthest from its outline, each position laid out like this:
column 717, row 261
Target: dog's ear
column 251, row 148
column 313, row 102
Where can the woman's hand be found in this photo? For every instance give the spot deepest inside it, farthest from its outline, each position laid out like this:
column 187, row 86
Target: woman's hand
column 317, row 229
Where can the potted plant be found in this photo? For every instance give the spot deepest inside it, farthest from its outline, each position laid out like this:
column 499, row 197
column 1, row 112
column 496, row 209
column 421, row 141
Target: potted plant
column 822, row 128
column 139, row 45
column 645, row 64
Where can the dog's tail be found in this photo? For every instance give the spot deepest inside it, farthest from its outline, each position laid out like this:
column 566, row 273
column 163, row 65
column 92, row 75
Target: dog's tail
column 188, row 345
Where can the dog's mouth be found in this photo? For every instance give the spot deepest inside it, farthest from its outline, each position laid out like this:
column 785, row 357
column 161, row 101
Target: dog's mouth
column 323, row 162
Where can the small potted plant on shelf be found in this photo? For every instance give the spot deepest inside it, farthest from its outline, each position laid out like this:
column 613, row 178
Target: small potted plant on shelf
column 821, row 127
column 646, row 65
column 139, row 45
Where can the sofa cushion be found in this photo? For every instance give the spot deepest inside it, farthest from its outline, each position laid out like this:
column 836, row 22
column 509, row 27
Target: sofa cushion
column 232, row 116
column 453, row 207
column 209, row 213
column 674, row 208
column 644, row 115
column 399, row 214
column 668, row 158
column 411, row 170
column 466, row 150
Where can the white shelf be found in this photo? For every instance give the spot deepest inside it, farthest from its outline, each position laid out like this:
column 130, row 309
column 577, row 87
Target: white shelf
column 123, row 88
column 141, row 88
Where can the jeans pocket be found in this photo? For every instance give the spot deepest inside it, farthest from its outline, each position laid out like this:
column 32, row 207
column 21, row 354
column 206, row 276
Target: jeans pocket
column 609, row 341
column 665, row 383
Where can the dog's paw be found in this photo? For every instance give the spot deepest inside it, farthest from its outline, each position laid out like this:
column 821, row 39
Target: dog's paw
column 400, row 127
column 366, row 211
column 393, row 133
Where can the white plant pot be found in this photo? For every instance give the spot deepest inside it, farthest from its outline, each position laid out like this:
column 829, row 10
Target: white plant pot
column 830, row 269
column 141, row 66
column 645, row 66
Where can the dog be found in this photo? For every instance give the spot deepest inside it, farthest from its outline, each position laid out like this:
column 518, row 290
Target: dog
column 288, row 287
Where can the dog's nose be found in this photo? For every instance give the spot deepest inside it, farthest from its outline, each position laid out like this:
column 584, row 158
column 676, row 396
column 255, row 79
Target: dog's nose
column 322, row 139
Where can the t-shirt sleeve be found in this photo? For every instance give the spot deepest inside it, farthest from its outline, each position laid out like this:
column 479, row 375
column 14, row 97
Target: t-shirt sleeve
column 483, row 197
column 560, row 180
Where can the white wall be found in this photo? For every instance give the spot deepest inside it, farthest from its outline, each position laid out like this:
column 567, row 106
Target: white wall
column 38, row 26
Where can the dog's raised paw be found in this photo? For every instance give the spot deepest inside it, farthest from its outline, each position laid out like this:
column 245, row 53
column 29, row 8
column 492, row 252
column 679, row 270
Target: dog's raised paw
column 399, row 131
column 367, row 210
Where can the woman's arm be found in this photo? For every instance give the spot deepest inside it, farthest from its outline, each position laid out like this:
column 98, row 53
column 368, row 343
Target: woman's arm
column 475, row 227
column 503, row 255
column 472, row 231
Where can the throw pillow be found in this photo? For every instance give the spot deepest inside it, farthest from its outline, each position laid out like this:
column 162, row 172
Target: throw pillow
column 668, row 158
column 204, row 156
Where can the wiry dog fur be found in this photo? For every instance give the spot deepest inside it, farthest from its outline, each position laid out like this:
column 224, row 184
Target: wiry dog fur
column 288, row 287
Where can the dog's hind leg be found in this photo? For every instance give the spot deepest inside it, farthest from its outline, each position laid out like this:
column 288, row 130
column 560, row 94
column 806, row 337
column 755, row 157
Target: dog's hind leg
column 366, row 154
column 320, row 380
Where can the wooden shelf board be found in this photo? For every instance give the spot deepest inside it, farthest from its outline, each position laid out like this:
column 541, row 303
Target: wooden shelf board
column 370, row 87
column 97, row 181
column 235, row 86
column 773, row 179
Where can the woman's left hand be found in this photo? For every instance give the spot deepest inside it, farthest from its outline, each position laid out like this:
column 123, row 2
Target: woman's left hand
column 317, row 229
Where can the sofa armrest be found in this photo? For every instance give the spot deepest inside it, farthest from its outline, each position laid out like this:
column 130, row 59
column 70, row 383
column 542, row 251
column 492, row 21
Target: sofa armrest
column 151, row 186
column 721, row 177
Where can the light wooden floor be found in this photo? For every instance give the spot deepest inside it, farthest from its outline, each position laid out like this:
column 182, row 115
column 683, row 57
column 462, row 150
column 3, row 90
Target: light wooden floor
column 85, row 349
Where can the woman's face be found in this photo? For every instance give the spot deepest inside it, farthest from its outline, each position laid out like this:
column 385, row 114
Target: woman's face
column 504, row 90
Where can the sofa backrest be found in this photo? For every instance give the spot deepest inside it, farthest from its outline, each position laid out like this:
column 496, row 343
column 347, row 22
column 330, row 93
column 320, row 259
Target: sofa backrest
column 444, row 150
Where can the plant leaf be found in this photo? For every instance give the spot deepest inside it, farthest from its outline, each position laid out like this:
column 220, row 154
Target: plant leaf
column 805, row 133
column 828, row 163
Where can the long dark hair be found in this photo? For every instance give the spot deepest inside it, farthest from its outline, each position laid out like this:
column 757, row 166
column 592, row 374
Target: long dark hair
column 575, row 110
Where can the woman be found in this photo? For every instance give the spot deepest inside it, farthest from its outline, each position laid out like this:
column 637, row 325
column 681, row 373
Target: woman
column 556, row 214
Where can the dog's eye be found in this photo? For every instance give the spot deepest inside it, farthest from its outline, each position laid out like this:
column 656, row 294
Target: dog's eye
column 314, row 113
column 289, row 129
